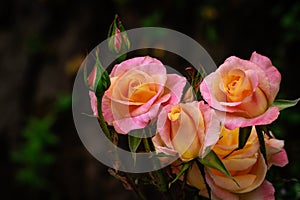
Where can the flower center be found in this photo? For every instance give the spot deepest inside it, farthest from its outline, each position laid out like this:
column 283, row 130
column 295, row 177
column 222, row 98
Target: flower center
column 143, row 93
column 175, row 113
column 237, row 86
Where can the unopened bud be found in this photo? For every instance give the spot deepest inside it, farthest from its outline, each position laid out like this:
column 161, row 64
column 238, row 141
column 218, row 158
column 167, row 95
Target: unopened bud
column 118, row 41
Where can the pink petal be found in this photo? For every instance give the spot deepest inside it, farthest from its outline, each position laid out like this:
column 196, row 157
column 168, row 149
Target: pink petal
column 164, row 126
column 265, row 191
column 279, row 159
column 212, row 129
column 230, row 104
column 218, row 192
column 232, row 121
column 94, row 103
column 238, row 63
column 175, row 84
column 147, row 64
column 262, row 61
column 106, row 109
column 124, row 125
column 271, row 72
column 92, row 78
column 206, row 88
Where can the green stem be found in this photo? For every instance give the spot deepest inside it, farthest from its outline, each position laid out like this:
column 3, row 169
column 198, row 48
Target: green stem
column 146, row 145
column 108, row 135
column 163, row 186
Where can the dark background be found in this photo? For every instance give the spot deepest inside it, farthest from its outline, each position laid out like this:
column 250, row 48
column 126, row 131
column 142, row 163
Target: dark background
column 42, row 44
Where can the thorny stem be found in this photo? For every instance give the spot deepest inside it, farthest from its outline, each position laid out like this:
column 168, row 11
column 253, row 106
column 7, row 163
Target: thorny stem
column 134, row 187
column 163, row 186
column 107, row 133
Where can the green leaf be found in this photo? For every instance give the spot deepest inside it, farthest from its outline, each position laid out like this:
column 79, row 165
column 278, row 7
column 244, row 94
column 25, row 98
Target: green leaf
column 243, row 136
column 111, row 30
column 102, row 82
column 260, row 134
column 185, row 167
column 283, row 104
column 134, row 142
column 213, row 161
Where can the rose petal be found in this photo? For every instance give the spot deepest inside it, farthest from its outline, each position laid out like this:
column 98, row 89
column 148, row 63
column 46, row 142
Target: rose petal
column 124, row 125
column 212, row 129
column 175, row 85
column 195, row 178
column 147, row 64
column 164, row 126
column 106, row 109
column 206, row 88
column 217, row 192
column 239, row 164
column 265, row 191
column 185, row 129
column 247, row 182
column 94, row 103
column 271, row 72
column 92, row 78
column 279, row 159
column 232, row 121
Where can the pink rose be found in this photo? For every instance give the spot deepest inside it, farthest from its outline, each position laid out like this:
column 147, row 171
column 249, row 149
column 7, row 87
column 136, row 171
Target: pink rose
column 187, row 129
column 245, row 90
column 247, row 166
column 139, row 87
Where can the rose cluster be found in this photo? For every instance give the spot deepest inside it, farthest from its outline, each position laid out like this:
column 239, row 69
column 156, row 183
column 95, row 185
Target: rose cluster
column 238, row 95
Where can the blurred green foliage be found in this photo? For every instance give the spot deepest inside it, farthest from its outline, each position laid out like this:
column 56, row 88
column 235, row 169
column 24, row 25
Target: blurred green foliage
column 152, row 20
column 33, row 157
column 290, row 22
column 36, row 155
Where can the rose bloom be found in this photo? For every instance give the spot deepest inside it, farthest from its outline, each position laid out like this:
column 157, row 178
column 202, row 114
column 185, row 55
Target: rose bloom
column 247, row 166
column 139, row 87
column 188, row 130
column 245, row 90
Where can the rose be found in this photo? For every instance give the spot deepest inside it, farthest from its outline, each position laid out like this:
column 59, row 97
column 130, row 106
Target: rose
column 245, row 90
column 187, row 129
column 139, row 87
column 246, row 166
